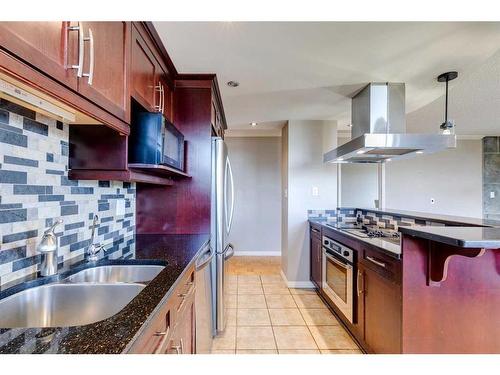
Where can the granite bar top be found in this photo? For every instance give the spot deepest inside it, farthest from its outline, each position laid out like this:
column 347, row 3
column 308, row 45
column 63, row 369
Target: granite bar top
column 468, row 237
column 385, row 246
column 112, row 335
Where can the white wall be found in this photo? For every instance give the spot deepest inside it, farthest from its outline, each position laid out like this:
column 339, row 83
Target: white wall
column 256, row 163
column 284, row 199
column 307, row 141
column 359, row 185
column 452, row 177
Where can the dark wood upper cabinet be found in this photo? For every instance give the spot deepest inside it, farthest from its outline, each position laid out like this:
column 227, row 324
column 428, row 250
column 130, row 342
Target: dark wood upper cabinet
column 47, row 46
column 316, row 257
column 105, row 79
column 145, row 72
column 381, row 303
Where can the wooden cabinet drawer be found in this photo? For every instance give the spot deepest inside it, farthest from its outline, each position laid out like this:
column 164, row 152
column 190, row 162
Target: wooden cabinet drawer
column 315, row 230
column 383, row 264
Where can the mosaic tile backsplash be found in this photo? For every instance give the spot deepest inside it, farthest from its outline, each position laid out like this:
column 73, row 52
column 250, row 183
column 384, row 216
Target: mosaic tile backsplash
column 491, row 178
column 349, row 215
column 35, row 190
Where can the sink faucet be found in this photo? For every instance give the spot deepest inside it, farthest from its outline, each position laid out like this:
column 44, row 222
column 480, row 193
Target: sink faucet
column 48, row 248
column 94, row 248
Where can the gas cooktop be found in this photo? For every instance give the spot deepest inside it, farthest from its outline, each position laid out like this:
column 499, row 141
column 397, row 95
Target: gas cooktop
column 367, row 231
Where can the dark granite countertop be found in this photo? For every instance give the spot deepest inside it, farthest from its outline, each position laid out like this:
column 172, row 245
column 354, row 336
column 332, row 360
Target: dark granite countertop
column 470, row 237
column 112, row 335
column 388, row 248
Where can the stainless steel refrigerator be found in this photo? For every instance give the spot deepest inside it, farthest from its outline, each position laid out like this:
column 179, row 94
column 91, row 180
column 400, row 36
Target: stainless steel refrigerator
column 221, row 221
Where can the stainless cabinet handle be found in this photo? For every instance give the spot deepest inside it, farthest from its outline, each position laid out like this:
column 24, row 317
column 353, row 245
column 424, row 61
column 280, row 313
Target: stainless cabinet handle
column 81, row 48
column 315, row 230
column 360, row 291
column 158, row 88
column 381, row 264
column 177, row 348
column 162, row 99
column 164, row 339
column 90, row 74
column 200, row 265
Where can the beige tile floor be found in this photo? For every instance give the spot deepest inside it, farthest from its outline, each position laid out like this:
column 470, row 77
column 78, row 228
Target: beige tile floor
column 264, row 316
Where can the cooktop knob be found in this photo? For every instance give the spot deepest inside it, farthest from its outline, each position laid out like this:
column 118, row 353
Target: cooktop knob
column 346, row 253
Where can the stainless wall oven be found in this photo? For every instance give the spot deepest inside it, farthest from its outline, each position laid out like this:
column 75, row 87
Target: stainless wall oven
column 338, row 276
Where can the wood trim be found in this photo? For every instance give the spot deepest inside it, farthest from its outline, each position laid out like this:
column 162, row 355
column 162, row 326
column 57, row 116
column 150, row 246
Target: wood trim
column 159, row 44
column 24, row 73
column 194, row 83
column 218, row 98
column 439, row 259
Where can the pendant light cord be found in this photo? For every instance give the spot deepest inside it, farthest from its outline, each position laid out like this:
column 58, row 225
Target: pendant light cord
column 446, row 104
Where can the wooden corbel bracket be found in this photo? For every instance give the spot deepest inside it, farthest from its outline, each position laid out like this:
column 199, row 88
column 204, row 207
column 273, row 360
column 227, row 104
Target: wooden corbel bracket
column 439, row 258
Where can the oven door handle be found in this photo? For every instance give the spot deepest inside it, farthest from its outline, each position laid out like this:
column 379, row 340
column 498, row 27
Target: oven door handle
column 345, row 265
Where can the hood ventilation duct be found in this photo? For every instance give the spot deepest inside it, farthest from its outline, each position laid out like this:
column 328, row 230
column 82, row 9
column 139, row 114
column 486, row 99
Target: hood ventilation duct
column 379, row 129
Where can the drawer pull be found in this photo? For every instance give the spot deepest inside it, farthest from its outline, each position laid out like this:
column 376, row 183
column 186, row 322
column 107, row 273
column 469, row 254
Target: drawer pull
column 315, row 230
column 164, row 339
column 381, row 264
column 360, row 290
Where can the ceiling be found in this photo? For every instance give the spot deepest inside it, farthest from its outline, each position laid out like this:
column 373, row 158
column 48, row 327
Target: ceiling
column 309, row 70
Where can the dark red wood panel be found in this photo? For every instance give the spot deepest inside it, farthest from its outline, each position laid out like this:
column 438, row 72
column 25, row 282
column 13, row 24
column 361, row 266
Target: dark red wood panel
column 185, row 207
column 96, row 147
column 459, row 315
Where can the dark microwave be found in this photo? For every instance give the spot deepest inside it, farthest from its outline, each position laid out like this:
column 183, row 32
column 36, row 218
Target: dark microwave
column 155, row 140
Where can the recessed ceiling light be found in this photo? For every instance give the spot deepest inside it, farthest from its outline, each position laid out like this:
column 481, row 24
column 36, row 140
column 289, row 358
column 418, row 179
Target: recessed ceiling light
column 233, row 84
column 253, row 123
column 360, row 152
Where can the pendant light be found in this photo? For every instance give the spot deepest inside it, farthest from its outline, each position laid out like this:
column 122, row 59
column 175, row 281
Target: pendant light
column 448, row 126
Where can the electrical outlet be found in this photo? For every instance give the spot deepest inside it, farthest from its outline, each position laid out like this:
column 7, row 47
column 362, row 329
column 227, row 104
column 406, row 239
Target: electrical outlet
column 492, row 194
column 120, row 207
column 433, row 201
column 315, row 191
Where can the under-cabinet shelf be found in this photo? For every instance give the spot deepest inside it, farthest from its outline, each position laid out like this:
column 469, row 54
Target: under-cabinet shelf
column 118, row 175
column 158, row 170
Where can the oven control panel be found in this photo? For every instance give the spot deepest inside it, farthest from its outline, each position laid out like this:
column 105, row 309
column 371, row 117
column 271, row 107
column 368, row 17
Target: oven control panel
column 338, row 249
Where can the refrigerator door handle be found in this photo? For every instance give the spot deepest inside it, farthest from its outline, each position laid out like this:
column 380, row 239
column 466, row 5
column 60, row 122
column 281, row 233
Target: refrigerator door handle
column 229, row 251
column 229, row 173
column 199, row 265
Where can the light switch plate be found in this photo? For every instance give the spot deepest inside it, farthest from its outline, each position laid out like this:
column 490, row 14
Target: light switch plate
column 315, row 191
column 492, row 194
column 120, row 207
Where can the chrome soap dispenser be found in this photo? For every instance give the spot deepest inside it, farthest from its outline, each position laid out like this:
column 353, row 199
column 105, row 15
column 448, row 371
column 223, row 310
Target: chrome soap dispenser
column 48, row 248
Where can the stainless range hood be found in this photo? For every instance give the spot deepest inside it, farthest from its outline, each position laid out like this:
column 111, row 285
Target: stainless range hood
column 379, row 129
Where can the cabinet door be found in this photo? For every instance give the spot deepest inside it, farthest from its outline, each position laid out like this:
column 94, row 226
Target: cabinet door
column 144, row 73
column 187, row 329
column 105, row 63
column 48, row 46
column 382, row 312
column 316, row 259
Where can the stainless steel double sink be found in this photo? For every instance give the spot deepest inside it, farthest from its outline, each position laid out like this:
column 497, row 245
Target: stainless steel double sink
column 88, row 296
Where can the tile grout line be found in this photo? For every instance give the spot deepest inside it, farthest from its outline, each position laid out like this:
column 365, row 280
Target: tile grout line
column 270, row 322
